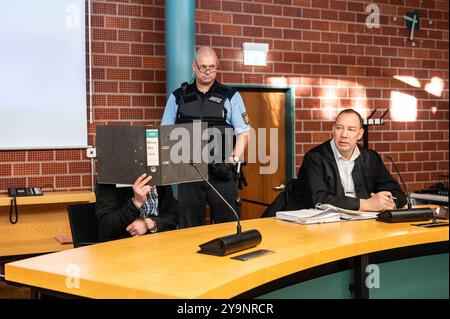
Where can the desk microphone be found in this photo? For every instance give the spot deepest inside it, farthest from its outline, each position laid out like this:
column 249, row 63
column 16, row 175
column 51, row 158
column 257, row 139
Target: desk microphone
column 232, row 243
column 404, row 215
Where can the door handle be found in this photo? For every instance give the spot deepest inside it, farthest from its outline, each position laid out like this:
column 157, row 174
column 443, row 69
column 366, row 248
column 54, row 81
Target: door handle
column 280, row 187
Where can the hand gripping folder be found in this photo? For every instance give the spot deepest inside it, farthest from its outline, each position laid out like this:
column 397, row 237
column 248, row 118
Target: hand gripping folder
column 126, row 152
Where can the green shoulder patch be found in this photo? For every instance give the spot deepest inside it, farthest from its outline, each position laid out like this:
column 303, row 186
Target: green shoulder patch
column 245, row 118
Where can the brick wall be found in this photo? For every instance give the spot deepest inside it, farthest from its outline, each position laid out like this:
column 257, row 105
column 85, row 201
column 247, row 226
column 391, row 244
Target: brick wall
column 322, row 47
column 325, row 49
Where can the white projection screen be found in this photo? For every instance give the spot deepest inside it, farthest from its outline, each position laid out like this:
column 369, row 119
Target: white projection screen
column 42, row 74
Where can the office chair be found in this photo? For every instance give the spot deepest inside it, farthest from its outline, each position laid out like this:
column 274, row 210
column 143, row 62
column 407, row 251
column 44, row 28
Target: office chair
column 277, row 205
column 83, row 224
column 284, row 201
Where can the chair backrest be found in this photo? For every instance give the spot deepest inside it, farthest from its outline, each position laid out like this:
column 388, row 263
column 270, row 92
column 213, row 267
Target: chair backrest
column 277, row 205
column 83, row 224
column 280, row 203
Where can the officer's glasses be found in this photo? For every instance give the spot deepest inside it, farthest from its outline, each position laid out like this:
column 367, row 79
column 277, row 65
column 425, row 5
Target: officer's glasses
column 205, row 68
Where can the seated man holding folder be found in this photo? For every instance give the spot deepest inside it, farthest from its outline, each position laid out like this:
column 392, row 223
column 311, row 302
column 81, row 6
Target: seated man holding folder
column 133, row 211
column 341, row 173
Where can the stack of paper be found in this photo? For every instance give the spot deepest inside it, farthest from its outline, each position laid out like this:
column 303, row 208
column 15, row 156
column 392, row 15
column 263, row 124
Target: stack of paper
column 323, row 213
column 347, row 214
column 309, row 216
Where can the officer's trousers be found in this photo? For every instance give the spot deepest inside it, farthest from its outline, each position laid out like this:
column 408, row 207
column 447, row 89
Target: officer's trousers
column 192, row 198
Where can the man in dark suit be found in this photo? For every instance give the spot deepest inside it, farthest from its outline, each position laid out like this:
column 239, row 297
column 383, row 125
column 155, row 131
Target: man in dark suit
column 341, row 173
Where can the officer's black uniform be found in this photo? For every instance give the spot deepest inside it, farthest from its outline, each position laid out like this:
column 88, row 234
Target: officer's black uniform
column 209, row 107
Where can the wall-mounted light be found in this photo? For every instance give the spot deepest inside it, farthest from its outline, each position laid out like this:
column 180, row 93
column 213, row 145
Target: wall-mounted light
column 255, row 53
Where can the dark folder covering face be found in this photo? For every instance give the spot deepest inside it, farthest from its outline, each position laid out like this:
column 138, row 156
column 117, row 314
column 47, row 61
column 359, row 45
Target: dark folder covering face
column 126, row 152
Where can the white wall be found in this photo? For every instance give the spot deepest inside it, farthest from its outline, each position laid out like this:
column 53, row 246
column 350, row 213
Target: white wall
column 42, row 74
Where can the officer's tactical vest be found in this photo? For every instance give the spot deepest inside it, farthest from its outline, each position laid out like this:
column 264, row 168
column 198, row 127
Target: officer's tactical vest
column 210, row 109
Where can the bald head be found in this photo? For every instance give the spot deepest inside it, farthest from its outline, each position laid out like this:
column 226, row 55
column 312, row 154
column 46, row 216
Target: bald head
column 205, row 52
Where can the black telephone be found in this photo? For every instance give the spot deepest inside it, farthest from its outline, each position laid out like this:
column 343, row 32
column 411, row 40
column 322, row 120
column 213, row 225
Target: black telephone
column 437, row 189
column 24, row 191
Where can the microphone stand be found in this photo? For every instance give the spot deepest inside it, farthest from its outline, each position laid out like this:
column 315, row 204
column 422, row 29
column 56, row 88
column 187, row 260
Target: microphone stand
column 232, row 243
column 404, row 215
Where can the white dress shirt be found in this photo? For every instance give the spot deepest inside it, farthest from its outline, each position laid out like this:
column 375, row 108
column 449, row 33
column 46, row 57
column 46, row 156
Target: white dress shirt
column 345, row 168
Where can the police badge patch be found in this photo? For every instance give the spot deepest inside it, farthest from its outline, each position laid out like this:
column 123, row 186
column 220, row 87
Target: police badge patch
column 245, row 118
column 215, row 99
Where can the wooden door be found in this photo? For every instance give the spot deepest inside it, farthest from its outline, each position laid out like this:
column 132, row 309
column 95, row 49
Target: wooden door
column 266, row 109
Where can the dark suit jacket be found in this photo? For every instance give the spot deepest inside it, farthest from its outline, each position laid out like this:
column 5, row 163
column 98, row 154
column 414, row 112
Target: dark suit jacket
column 115, row 210
column 319, row 181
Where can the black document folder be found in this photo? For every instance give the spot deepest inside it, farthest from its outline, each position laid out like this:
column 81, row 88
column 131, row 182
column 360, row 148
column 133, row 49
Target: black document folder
column 126, row 152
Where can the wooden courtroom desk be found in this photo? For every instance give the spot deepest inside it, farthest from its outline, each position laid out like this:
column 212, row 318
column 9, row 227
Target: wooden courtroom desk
column 166, row 265
column 41, row 218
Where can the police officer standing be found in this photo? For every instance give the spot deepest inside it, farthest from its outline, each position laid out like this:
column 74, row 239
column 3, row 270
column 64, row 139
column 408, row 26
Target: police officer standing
column 222, row 107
